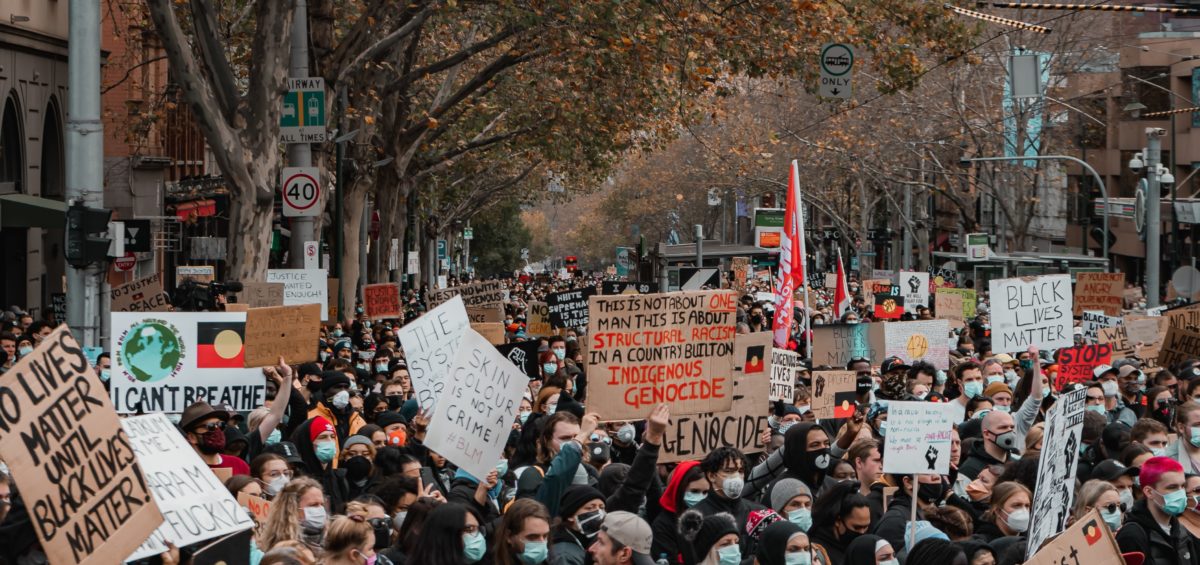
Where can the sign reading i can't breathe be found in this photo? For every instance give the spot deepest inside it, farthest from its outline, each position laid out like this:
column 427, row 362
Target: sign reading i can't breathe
column 1031, row 311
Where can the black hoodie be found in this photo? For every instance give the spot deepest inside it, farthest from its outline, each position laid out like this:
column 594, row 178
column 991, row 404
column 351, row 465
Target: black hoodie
column 333, row 481
column 1142, row 533
column 800, row 464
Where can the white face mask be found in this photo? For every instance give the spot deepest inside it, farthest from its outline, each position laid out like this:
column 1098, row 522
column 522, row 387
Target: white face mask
column 276, row 485
column 314, row 518
column 341, row 400
column 1018, row 520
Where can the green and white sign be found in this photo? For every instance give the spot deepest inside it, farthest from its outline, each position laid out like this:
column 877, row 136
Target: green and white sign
column 836, row 60
column 468, row 233
column 302, row 119
column 977, row 247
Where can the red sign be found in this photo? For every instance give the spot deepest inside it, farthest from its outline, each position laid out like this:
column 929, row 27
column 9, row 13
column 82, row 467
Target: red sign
column 1075, row 364
column 125, row 263
column 381, row 301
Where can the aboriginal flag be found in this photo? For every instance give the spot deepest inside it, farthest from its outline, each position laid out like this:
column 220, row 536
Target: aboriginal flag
column 220, row 345
column 1092, row 533
column 889, row 306
column 754, row 359
column 844, row 403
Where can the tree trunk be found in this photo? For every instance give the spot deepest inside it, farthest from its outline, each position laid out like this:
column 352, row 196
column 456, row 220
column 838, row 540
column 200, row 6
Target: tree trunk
column 249, row 244
column 352, row 209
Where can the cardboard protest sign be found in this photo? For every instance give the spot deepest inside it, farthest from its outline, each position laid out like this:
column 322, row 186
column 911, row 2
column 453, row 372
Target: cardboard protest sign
column 921, row 340
column 1088, row 540
column 494, row 333
column 628, row 287
column 477, row 408
column 569, row 309
column 194, row 503
column 1179, row 345
column 1184, row 316
column 785, row 367
column 836, row 344
column 948, row 307
column 875, row 286
column 1094, row 321
column 918, row 438
column 1075, row 364
column 482, row 293
column 969, row 299
column 430, row 343
column 1031, row 311
column 1117, row 338
column 198, row 273
column 258, row 506
column 1131, row 296
column 225, row 550
column 1147, row 330
column 163, row 362
column 289, row 331
column 492, row 314
column 1055, row 492
column 537, row 320
column 941, row 278
column 142, row 295
column 692, row 436
column 1099, row 291
column 79, row 477
column 915, row 288
column 524, row 356
column 261, row 294
column 888, row 306
column 652, row 348
column 303, row 286
column 382, row 301
column 833, row 394
column 741, row 268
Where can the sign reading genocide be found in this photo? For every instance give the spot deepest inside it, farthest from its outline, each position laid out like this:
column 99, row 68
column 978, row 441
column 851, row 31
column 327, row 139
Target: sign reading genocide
column 486, row 314
column 652, row 348
column 163, row 362
column 833, row 394
column 289, row 331
column 477, row 409
column 262, row 295
column 918, row 438
column 569, row 309
column 1088, row 540
column 430, row 343
column 482, row 293
column 194, row 503
column 142, row 295
column 78, row 474
column 921, row 340
column 1031, row 311
column 1099, row 291
column 381, row 301
column 1179, row 345
column 537, row 320
column 303, row 286
column 1075, row 364
column 1056, row 468
column 785, row 366
column 836, row 344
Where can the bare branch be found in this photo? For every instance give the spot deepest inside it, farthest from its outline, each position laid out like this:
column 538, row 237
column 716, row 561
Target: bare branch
column 451, row 61
column 204, row 22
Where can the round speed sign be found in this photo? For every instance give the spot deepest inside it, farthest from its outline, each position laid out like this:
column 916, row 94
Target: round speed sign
column 301, row 191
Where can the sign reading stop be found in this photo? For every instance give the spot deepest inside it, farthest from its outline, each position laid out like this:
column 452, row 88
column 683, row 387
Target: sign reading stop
column 301, row 191
column 125, row 263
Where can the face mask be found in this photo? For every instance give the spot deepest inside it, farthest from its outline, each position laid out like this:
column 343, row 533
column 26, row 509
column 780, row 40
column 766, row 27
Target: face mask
column 324, row 356
column 560, row 353
column 972, row 389
column 1113, row 519
column 847, row 537
column 1007, row 440
column 930, row 492
column 732, row 486
column 550, row 409
column 626, row 433
column 274, row 437
column 314, row 518
column 24, row 351
column 1018, row 520
column 691, row 499
column 784, row 427
column 1110, row 388
column 1004, row 409
column 549, row 368
column 819, row 459
column 801, row 517
column 940, row 377
column 1045, row 391
column 883, row 428
column 1195, row 437
column 105, row 375
column 570, row 338
column 798, row 558
column 995, row 379
column 363, row 366
column 337, row 333
column 524, row 416
column 1010, row 375
column 212, row 442
column 921, row 395
column 977, row 491
column 980, row 414
column 892, row 561
column 341, row 400
column 804, row 409
column 590, row 522
column 474, row 547
column 325, row 450
column 398, row 519
column 1097, row 408
column 357, row 468
column 1174, row 503
column 381, row 367
column 276, row 485
column 1126, row 496
column 535, row 552
column 729, row 555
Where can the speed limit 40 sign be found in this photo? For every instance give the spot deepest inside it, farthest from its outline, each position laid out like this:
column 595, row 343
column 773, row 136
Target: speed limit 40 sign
column 301, row 191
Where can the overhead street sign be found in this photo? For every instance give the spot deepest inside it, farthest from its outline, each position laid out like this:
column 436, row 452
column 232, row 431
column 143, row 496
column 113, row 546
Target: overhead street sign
column 301, row 191
column 837, row 60
column 302, row 119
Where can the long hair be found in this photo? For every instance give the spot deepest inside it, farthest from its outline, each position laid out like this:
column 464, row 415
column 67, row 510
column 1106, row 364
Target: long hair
column 414, row 522
column 1000, row 495
column 282, row 523
column 441, row 541
column 512, row 524
column 1089, row 493
column 347, row 533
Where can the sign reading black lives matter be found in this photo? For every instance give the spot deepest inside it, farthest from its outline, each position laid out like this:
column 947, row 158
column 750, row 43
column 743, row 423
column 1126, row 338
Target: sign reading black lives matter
column 1031, row 311
column 79, row 477
column 569, row 309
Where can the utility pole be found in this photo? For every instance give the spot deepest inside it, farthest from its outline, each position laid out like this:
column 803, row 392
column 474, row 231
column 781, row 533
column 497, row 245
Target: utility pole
column 1153, row 215
column 85, row 158
column 906, row 261
column 300, row 154
column 698, row 230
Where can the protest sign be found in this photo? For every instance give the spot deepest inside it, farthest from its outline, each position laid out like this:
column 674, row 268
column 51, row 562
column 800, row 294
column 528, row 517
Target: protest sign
column 492, row 314
column 142, row 295
column 969, row 300
column 1075, row 364
column 78, row 476
column 235, row 307
column 332, row 287
column 628, row 287
column 382, row 301
column 692, row 436
column 1099, row 291
column 886, row 274
column 569, row 309
column 524, row 355
column 477, row 408
column 537, row 320
column 921, row 340
column 198, row 273
column 948, row 306
column 915, row 288
column 303, row 286
column 1179, row 345
column 942, row 278
column 1088, row 540
column 785, row 367
column 1055, row 493
column 261, row 294
column 836, row 344
column 194, row 503
column 289, row 331
column 1031, row 311
column 1184, row 316
column 1131, row 296
column 918, row 438
column 874, row 286
column 741, row 268
column 1095, row 320
column 888, row 306
column 225, row 550
column 493, row 332
column 652, row 348
column 1147, row 330
column 1117, row 338
column 482, row 293
column 163, row 362
column 833, row 394
column 258, row 506
column 430, row 343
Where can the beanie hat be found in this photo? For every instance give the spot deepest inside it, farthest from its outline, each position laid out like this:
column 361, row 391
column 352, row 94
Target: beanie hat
column 340, row 345
column 410, row 409
column 356, row 440
column 318, row 426
column 704, row 531
column 575, row 498
column 330, row 379
column 996, row 388
column 389, row 417
column 785, row 490
column 307, row 369
column 758, row 520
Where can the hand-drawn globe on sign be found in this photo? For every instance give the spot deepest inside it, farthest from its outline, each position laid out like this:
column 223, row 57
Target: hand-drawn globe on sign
column 150, row 352
column 917, row 346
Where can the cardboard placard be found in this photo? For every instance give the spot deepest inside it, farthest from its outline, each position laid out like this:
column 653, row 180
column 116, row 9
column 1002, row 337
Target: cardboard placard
column 235, row 307
column 569, row 309
column 537, row 320
column 836, row 344
column 289, row 331
column 1075, row 364
column 969, row 300
column 948, row 306
column 1132, row 295
column 1147, row 330
column 223, row 473
column 1055, row 493
column 1088, row 540
column 261, row 294
column 382, row 301
column 941, row 278
column 143, row 295
column 198, row 273
column 921, row 340
column 1099, row 291
column 1031, row 311
column 332, row 287
column 493, row 333
column 493, row 314
column 914, row 285
column 1179, row 345
column 258, row 506
column 833, row 394
column 1095, row 320
column 741, row 268
column 785, row 367
column 79, row 477
column 628, row 287
column 1118, row 339
column 651, row 348
column 482, row 293
column 918, row 438
column 303, row 286
column 1184, row 316
column 430, row 343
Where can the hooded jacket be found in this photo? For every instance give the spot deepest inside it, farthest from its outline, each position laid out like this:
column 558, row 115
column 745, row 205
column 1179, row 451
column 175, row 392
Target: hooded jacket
column 332, row 480
column 666, row 524
column 1142, row 533
column 799, row 463
column 861, row 551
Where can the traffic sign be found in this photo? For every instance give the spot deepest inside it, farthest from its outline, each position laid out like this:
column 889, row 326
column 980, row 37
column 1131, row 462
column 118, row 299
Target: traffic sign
column 302, row 119
column 468, row 233
column 137, row 236
column 441, row 249
column 301, row 191
column 837, row 60
column 310, row 255
column 125, row 263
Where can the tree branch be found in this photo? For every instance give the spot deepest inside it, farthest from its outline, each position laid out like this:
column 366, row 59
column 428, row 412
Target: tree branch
column 129, row 73
column 204, row 22
column 451, row 61
column 269, row 60
column 447, row 158
column 385, row 44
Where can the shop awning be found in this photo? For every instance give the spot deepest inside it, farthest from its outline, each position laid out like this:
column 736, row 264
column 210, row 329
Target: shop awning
column 26, row 211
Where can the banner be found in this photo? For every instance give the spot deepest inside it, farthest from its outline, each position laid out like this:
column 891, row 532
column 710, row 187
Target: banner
column 194, row 503
column 969, row 300
column 477, row 409
column 914, row 286
column 1075, row 364
column 163, row 362
column 1055, row 492
column 142, row 295
column 836, row 344
column 289, row 331
column 1031, row 311
column 785, row 368
column 382, row 301
column 537, row 320
column 482, row 293
column 628, row 287
column 524, row 355
column 652, row 348
column 1099, row 291
column 78, row 475
column 263, row 295
column 1095, row 320
column 569, row 310
column 1179, row 345
column 430, row 343
column 918, row 438
column 941, row 278
column 1088, row 540
column 921, row 340
column 833, row 394
column 303, row 286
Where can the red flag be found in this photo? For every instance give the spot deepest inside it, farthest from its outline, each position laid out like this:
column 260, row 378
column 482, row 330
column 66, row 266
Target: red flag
column 791, row 259
column 841, row 295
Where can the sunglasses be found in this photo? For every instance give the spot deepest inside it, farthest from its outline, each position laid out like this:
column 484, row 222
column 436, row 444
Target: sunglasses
column 1110, row 508
column 212, row 427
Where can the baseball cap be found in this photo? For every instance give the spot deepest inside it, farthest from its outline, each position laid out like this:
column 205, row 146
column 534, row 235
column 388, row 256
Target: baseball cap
column 893, row 364
column 630, row 531
column 1100, row 370
column 1110, row 469
column 286, row 449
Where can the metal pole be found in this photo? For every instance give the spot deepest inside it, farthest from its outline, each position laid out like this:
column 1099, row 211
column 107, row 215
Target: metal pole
column 85, row 158
column 338, row 202
column 1153, row 215
column 906, row 258
column 698, row 231
column 300, row 154
column 467, row 250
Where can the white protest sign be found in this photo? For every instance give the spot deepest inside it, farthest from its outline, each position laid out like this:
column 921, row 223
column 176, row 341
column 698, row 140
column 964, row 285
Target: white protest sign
column 914, row 286
column 1031, row 311
column 430, row 344
column 921, row 340
column 784, row 366
column 918, row 439
column 1055, row 492
column 477, row 408
column 194, row 504
column 1094, row 321
column 303, row 286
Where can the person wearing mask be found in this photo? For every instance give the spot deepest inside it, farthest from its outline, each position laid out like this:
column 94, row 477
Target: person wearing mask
column 317, row 444
column 712, row 540
column 204, row 428
column 785, row 543
column 297, row 514
column 871, row 550
column 582, row 514
column 1035, row 386
column 1189, row 519
column 1132, row 382
column 1186, row 449
column 970, row 379
column 624, row 539
column 993, row 372
column 864, row 456
column 1151, row 434
column 477, row 495
column 999, row 441
column 928, row 492
column 1119, row 476
column 840, row 515
column 1114, row 408
column 357, row 457
column 686, row 487
column 559, row 454
column 334, row 405
column 725, row 469
column 350, row 539
column 272, row 470
column 806, row 455
column 1009, row 514
column 792, row 500
column 1152, row 527
column 1100, row 495
column 450, row 536
column 523, row 535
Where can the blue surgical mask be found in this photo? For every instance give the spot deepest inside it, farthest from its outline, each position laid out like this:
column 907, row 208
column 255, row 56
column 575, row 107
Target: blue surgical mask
column 798, row 558
column 381, row 367
column 1194, row 439
column 730, row 555
column 535, row 552
column 883, row 428
column 1045, row 391
column 1002, row 408
column 1097, row 408
column 801, row 517
column 1113, row 519
column 337, row 333
column 24, row 351
column 560, row 352
column 1174, row 503
column 325, row 450
column 549, row 368
column 995, row 379
column 105, row 374
column 973, row 389
column 474, row 547
column 693, row 498
column 274, row 437
column 524, row 415
column 940, row 376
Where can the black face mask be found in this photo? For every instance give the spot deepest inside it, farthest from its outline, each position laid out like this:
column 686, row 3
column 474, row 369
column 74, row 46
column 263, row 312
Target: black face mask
column 357, row 468
column 847, row 537
column 313, row 386
column 590, row 522
column 383, row 533
column 395, row 402
column 930, row 493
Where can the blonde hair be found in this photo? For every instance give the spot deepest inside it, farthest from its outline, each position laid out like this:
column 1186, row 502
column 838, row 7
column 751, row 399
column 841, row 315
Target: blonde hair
column 282, row 523
column 255, row 418
column 347, row 533
column 1088, row 494
column 1034, row 436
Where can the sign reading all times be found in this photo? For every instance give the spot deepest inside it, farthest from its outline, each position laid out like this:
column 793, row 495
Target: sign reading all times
column 302, row 116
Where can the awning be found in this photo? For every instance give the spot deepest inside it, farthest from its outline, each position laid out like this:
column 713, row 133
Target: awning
column 196, row 209
column 26, row 211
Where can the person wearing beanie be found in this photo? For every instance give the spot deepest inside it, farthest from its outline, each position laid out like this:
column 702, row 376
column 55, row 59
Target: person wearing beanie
column 317, row 445
column 390, row 421
column 784, row 543
column 713, row 540
column 792, row 500
column 333, row 405
column 686, row 487
column 581, row 510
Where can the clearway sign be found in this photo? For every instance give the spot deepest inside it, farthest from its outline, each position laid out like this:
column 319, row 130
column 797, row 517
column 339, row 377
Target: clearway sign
column 837, row 60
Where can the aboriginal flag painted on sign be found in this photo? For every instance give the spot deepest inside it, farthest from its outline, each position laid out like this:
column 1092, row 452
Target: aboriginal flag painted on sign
column 220, row 345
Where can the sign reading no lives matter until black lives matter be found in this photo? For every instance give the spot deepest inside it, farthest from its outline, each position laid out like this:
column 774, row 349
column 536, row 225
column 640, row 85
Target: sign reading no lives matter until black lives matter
column 652, row 348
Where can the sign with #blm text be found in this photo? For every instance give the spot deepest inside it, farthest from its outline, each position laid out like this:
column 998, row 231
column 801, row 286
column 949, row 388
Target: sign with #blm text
column 430, row 343
column 569, row 309
column 1099, row 291
column 195, row 505
column 1031, row 311
column 78, row 474
column 785, row 366
column 477, row 409
column 1055, row 493
column 918, row 438
column 651, row 348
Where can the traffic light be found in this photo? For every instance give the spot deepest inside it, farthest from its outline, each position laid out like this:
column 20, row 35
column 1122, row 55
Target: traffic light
column 86, row 235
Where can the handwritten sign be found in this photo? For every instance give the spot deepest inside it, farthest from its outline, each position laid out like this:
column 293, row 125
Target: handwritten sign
column 1179, row 345
column 477, row 408
column 1147, row 330
column 1096, row 320
column 833, row 394
column 537, row 319
column 628, row 287
column 482, row 293
column 430, row 343
column 194, row 503
column 569, row 309
column 915, row 288
column 1117, row 338
column 1099, row 291
column 1031, row 311
column 1055, row 493
column 303, row 286
column 836, row 344
column 741, row 268
column 382, row 301
column 492, row 332
column 1075, row 364
column 652, row 348
column 948, row 306
column 261, row 294
column 258, row 506
column 922, row 340
column 1184, row 316
column 918, row 438
column 942, row 278
column 1088, row 540
column 492, row 314
column 289, row 331
column 78, row 474
column 142, row 295
column 969, row 299
column 785, row 367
